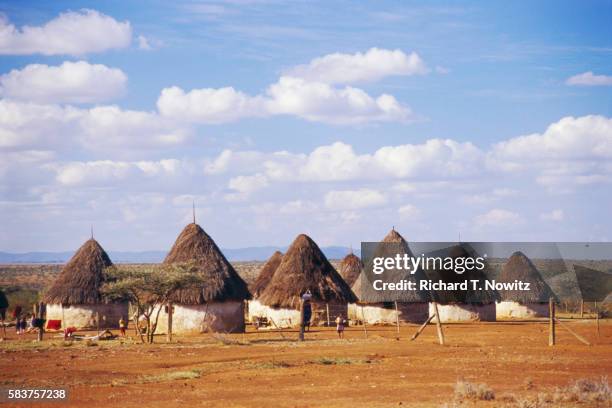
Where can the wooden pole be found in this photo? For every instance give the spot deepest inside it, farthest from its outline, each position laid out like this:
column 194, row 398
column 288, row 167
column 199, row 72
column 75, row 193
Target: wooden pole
column 327, row 311
column 170, row 313
column 423, row 326
column 597, row 317
column 41, row 315
column 397, row 320
column 97, row 322
column 439, row 325
column 551, row 322
column 579, row 337
column 582, row 309
column 365, row 324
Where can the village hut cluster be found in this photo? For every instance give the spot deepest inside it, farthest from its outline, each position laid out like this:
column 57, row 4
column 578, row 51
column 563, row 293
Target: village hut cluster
column 224, row 302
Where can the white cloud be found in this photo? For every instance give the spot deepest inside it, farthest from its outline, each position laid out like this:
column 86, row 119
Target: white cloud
column 72, row 82
column 314, row 101
column 354, row 199
column 408, row 212
column 103, row 172
column 570, row 151
column 143, row 43
column 248, row 184
column 372, row 65
column 498, row 218
column 71, row 33
column 590, row 79
column 27, row 126
column 554, row 215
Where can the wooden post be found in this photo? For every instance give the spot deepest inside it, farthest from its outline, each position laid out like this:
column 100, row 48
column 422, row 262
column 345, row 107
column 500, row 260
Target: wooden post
column 415, row 335
column 302, row 322
column 327, row 310
column 551, row 322
column 97, row 322
column 582, row 309
column 170, row 312
column 597, row 317
column 365, row 324
column 41, row 315
column 439, row 325
column 397, row 320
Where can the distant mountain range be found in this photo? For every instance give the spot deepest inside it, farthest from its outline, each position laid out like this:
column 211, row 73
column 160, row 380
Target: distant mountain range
column 235, row 254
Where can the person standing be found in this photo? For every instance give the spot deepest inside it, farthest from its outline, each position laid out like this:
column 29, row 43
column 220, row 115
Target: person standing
column 122, row 326
column 340, row 326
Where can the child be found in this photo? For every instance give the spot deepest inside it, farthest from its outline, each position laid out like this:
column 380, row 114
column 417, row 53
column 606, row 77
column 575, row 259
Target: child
column 340, row 326
column 122, row 326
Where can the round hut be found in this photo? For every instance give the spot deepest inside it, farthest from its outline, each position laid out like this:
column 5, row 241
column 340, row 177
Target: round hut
column 520, row 304
column 462, row 305
column 75, row 298
column 305, row 268
column 217, row 305
column 350, row 268
column 256, row 309
column 405, row 306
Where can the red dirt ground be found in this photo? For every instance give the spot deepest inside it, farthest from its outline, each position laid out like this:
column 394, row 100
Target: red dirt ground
column 263, row 369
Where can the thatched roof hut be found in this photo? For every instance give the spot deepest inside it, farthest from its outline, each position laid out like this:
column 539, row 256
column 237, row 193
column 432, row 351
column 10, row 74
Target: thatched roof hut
column 350, row 268
column 81, row 278
column 266, row 273
column 470, row 296
column 394, row 244
column 305, row 267
column 519, row 267
column 222, row 281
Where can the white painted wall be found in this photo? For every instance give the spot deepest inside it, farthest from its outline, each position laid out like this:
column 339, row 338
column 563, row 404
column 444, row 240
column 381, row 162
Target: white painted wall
column 81, row 316
column 220, row 317
column 377, row 314
column 464, row 312
column 515, row 310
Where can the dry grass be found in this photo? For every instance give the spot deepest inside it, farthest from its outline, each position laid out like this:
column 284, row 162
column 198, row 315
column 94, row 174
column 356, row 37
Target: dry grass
column 466, row 390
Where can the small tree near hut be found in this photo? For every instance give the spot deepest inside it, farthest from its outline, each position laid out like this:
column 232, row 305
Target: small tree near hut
column 149, row 290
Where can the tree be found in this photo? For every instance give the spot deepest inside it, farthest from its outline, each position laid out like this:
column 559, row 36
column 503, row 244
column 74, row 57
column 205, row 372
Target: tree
column 149, row 289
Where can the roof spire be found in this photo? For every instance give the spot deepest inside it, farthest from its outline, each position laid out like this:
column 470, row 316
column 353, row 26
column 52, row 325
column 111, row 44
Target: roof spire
column 92, row 231
column 193, row 209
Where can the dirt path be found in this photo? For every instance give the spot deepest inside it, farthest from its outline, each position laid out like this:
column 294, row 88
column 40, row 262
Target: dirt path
column 264, row 370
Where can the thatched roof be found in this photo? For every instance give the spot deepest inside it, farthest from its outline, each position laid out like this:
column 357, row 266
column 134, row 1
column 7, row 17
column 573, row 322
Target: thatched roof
column 4, row 304
column 304, row 267
column 350, row 268
column 266, row 273
column 222, row 281
column 519, row 267
column 450, row 276
column 393, row 244
column 80, row 280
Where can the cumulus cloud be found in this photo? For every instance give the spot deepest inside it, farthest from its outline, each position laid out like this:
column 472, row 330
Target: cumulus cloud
column 143, row 43
column 408, row 212
column 103, row 172
column 27, row 126
column 354, row 199
column 589, row 79
column 70, row 82
column 372, row 65
column 71, row 33
column 248, row 184
column 570, row 151
column 554, row 215
column 310, row 97
column 498, row 218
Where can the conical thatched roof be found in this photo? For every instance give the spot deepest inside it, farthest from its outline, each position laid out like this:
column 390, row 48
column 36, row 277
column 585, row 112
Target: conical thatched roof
column 393, row 244
column 80, row 280
column 350, row 268
column 519, row 267
column 222, row 282
column 266, row 273
column 450, row 276
column 4, row 304
column 304, row 267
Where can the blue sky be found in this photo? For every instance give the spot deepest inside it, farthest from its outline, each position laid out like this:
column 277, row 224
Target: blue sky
column 123, row 118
